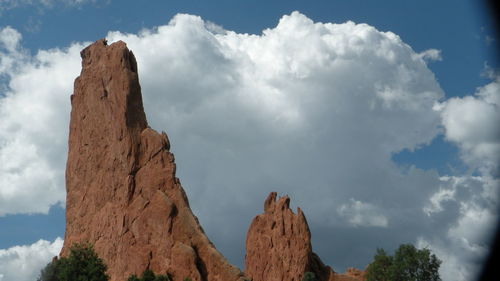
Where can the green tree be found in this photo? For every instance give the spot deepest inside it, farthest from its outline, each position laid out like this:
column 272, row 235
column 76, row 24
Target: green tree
column 133, row 277
column 379, row 269
column 82, row 264
column 309, row 276
column 148, row 275
column 162, row 278
column 408, row 264
column 411, row 264
column 49, row 272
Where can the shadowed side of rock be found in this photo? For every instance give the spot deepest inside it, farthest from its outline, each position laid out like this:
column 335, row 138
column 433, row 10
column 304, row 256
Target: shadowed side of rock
column 278, row 247
column 122, row 193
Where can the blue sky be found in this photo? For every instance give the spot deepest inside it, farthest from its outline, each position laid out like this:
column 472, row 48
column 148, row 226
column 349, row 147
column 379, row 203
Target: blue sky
column 448, row 162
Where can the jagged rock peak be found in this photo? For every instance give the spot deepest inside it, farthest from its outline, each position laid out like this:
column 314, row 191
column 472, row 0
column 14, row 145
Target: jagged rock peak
column 278, row 246
column 113, row 61
column 278, row 243
column 122, row 193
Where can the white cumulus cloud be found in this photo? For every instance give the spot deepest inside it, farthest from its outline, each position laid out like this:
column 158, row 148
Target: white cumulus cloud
column 23, row 263
column 11, row 54
column 33, row 126
column 473, row 203
column 431, row 55
column 362, row 214
column 472, row 123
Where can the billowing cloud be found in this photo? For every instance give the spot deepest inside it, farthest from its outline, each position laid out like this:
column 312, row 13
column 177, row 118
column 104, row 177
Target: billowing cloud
column 23, row 263
column 33, row 130
column 309, row 109
column 472, row 123
column 358, row 213
column 430, row 55
column 11, row 54
column 313, row 110
column 472, row 201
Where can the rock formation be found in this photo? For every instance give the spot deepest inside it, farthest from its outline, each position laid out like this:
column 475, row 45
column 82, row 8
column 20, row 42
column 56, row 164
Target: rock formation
column 122, row 193
column 123, row 196
column 279, row 247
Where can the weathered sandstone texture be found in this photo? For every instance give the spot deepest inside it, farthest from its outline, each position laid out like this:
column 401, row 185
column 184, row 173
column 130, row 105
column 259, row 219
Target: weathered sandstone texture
column 278, row 247
column 122, row 193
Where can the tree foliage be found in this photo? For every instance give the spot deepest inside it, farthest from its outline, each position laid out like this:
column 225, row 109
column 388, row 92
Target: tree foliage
column 48, row 273
column 133, row 277
column 379, row 269
column 148, row 275
column 82, row 264
column 309, row 276
column 407, row 264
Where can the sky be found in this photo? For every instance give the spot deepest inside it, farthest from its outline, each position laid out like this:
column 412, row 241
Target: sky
column 378, row 118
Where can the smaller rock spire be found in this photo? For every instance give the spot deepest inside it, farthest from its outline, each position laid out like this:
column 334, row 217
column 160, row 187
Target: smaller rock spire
column 279, row 246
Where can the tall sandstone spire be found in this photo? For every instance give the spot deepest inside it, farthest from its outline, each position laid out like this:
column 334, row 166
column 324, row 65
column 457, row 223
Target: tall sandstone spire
column 278, row 247
column 122, row 193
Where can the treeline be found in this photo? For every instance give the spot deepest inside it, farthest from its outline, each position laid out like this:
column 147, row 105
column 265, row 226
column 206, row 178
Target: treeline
column 407, row 264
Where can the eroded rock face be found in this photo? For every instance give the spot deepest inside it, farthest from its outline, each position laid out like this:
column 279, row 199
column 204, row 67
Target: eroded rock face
column 278, row 246
column 122, row 193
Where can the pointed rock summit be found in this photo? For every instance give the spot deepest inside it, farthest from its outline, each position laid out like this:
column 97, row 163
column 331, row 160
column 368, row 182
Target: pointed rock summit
column 278, row 247
column 122, row 193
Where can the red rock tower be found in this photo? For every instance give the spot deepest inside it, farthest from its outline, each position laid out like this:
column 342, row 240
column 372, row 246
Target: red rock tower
column 122, row 193
column 279, row 247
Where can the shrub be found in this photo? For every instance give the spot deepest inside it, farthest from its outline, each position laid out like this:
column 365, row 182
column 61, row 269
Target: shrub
column 148, row 275
column 162, row 278
column 133, row 277
column 309, row 276
column 82, row 264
